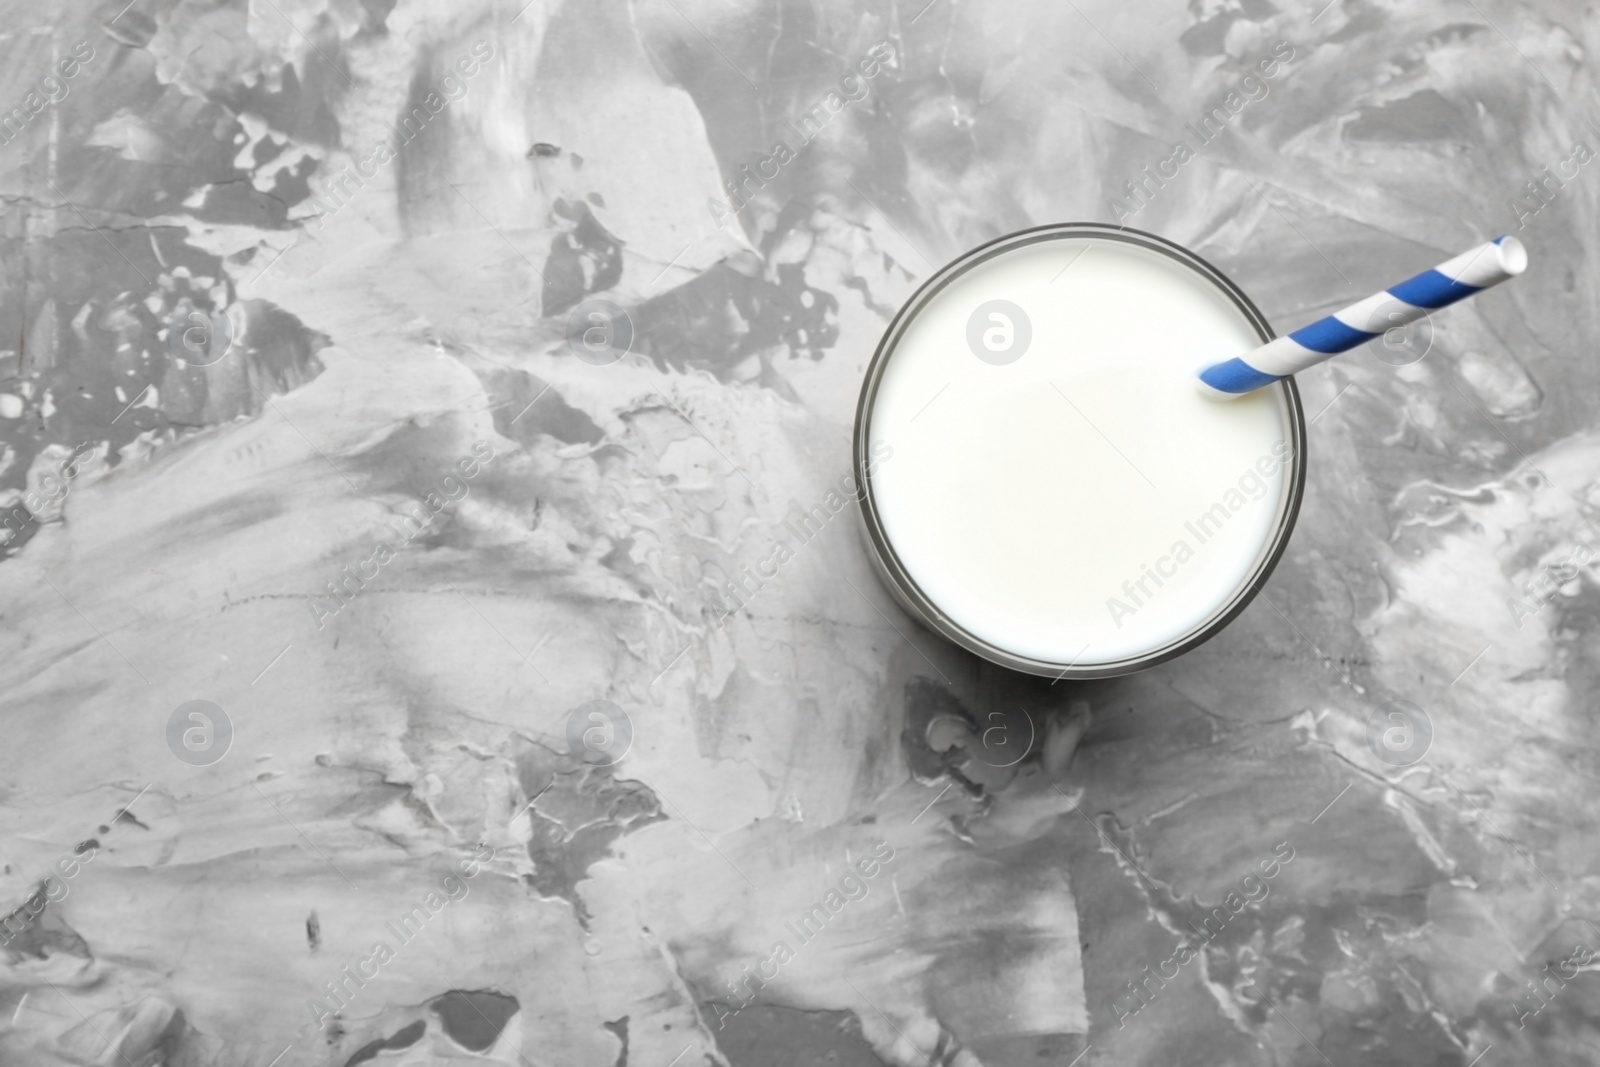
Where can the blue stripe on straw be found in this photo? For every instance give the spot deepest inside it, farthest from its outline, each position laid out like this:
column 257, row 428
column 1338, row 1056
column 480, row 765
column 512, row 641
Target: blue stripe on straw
column 1329, row 335
column 1236, row 376
column 1430, row 289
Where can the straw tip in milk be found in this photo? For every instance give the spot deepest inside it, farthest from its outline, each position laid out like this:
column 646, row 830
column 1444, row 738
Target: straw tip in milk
column 1513, row 254
column 1231, row 379
column 1211, row 392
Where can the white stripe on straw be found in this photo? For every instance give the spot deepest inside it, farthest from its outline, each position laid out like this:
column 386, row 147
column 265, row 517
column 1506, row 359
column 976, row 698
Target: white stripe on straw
column 1453, row 280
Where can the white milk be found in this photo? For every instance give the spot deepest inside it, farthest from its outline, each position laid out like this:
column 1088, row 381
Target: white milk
column 1053, row 506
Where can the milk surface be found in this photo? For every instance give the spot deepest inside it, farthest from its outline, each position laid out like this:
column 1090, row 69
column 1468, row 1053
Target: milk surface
column 1082, row 504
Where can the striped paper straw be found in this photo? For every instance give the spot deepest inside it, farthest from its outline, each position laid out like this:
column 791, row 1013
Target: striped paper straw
column 1455, row 279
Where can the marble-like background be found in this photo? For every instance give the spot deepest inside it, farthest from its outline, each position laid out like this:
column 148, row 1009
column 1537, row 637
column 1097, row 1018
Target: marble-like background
column 246, row 326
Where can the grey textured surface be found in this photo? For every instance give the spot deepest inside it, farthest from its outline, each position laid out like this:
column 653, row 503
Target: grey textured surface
column 313, row 444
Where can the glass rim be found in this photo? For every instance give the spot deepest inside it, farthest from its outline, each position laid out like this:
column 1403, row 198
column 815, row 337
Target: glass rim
column 893, row 572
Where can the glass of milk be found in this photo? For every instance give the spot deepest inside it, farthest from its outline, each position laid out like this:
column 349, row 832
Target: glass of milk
column 1041, row 481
